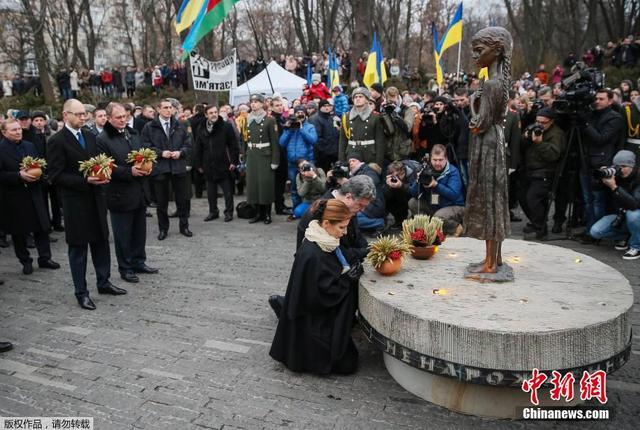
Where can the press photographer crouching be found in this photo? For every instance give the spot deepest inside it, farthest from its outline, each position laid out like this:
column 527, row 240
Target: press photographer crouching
column 310, row 183
column 400, row 176
column 544, row 144
column 623, row 179
column 438, row 191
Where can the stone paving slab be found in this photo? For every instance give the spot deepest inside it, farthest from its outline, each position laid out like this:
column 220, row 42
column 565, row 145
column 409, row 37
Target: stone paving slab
column 188, row 348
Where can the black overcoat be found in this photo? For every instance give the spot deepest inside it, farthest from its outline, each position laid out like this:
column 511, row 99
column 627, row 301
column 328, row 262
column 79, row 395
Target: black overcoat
column 23, row 206
column 124, row 192
column 154, row 137
column 84, row 205
column 215, row 151
column 314, row 329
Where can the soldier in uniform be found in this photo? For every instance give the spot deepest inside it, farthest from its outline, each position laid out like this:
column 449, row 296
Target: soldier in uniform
column 362, row 131
column 262, row 154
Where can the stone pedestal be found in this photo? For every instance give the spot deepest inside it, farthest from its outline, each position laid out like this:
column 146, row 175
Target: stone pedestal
column 454, row 341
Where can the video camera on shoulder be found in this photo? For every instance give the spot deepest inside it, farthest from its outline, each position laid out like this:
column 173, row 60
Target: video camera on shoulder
column 292, row 124
column 427, row 172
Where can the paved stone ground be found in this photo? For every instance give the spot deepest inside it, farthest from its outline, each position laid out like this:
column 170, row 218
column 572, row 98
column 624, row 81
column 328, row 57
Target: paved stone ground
column 188, row 348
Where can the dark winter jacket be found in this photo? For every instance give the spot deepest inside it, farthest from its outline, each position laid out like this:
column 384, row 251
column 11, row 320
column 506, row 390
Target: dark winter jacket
column 154, row 137
column 125, row 191
column 215, row 151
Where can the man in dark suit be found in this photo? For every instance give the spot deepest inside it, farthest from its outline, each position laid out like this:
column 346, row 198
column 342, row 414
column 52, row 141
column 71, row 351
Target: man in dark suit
column 125, row 195
column 83, row 203
column 23, row 203
column 172, row 143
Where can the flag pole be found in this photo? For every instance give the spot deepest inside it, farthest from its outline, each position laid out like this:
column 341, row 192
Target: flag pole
column 259, row 48
column 459, row 53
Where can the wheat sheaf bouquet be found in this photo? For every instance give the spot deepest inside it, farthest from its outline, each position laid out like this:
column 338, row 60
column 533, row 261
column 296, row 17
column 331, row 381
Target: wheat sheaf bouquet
column 99, row 166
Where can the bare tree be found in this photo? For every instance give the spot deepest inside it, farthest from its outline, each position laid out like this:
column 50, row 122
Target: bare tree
column 35, row 12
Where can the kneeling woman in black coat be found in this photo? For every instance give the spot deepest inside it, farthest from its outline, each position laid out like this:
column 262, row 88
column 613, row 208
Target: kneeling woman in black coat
column 314, row 329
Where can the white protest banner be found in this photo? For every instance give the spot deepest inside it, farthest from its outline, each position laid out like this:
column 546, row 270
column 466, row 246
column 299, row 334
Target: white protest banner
column 213, row 75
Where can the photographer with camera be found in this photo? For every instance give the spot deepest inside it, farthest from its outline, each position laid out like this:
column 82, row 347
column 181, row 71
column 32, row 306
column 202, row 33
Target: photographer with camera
column 400, row 176
column 397, row 122
column 337, row 175
column 544, row 144
column 441, row 126
column 299, row 138
column 438, row 191
column 326, row 149
column 310, row 185
column 623, row 179
column 603, row 133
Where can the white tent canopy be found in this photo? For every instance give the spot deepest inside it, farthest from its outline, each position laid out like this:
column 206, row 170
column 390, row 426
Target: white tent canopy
column 286, row 84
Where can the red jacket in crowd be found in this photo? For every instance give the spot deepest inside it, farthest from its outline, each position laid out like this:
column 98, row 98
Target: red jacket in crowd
column 319, row 90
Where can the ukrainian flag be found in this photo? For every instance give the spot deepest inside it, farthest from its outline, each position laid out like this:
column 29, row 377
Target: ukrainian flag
column 375, row 71
column 187, row 14
column 333, row 77
column 452, row 36
column 436, row 54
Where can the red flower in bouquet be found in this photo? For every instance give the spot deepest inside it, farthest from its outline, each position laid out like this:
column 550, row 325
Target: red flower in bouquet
column 96, row 169
column 419, row 235
column 139, row 158
column 395, row 255
column 439, row 237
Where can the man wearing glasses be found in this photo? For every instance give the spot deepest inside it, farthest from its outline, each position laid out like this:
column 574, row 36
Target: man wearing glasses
column 544, row 146
column 83, row 203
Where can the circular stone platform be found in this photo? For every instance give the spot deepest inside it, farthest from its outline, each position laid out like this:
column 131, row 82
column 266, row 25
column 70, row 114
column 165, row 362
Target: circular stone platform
column 468, row 346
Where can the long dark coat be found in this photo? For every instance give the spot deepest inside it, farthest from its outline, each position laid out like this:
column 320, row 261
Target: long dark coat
column 124, row 192
column 260, row 176
column 215, row 151
column 22, row 202
column 314, row 329
column 84, row 205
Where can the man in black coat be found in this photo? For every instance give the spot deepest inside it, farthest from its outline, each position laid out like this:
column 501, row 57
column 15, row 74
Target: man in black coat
column 83, row 203
column 216, row 156
column 603, row 134
column 125, row 194
column 326, row 149
column 172, row 143
column 23, row 203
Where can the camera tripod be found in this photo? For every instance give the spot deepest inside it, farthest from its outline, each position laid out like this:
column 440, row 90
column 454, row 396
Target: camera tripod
column 573, row 153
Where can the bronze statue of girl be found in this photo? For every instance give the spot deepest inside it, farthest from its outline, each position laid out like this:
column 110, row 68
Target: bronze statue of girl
column 486, row 214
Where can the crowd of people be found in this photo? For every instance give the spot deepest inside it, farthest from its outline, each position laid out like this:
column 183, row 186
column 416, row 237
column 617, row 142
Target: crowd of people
column 356, row 161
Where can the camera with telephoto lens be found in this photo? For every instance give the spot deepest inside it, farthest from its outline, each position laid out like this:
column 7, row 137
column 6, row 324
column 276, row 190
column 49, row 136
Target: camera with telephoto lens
column 579, row 90
column 292, row 124
column 389, row 108
column 427, row 172
column 306, row 167
column 606, row 172
column 619, row 219
column 534, row 129
column 394, row 179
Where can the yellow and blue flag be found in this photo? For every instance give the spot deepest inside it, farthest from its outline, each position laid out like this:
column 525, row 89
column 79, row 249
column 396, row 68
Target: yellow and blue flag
column 333, row 76
column 452, row 36
column 375, row 70
column 187, row 14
